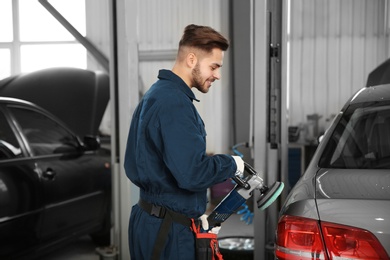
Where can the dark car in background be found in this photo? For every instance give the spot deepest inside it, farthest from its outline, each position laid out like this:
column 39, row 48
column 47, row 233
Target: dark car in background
column 53, row 186
column 55, row 175
column 340, row 207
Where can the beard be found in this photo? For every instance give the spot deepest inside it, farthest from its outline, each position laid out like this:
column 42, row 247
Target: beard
column 197, row 81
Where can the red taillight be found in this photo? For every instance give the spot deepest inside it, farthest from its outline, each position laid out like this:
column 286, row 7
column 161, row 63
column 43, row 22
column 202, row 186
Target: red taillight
column 300, row 238
column 345, row 242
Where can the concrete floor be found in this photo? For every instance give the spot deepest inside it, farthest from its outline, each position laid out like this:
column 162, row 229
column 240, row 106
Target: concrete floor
column 81, row 249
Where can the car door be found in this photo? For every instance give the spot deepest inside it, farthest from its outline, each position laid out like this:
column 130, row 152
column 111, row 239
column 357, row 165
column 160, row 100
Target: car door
column 72, row 178
column 21, row 204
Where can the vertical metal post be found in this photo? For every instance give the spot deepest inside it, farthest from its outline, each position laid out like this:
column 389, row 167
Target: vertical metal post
column 268, row 111
column 260, row 44
column 124, row 93
column 113, row 68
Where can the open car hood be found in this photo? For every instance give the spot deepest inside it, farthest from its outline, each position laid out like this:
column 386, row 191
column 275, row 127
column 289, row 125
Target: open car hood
column 78, row 97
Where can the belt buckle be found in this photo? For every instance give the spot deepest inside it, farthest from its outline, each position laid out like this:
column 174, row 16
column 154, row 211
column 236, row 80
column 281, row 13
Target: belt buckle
column 158, row 211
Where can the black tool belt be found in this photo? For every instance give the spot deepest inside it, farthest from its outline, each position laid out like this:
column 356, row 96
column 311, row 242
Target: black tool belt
column 168, row 217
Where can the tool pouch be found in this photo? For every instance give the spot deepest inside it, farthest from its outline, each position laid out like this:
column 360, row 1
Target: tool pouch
column 206, row 244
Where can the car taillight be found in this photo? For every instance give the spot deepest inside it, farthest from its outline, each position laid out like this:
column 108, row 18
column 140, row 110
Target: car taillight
column 345, row 242
column 300, row 238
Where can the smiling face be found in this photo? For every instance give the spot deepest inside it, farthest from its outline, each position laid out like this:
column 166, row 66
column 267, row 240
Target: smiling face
column 206, row 70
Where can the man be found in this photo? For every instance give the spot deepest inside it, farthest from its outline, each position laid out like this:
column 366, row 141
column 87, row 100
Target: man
column 166, row 151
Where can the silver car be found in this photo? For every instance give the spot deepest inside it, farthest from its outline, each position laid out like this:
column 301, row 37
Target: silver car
column 340, row 207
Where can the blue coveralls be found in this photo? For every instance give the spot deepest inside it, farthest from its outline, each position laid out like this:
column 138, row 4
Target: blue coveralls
column 166, row 158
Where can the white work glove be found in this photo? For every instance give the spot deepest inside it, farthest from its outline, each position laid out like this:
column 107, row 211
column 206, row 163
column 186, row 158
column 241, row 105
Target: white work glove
column 240, row 165
column 205, row 225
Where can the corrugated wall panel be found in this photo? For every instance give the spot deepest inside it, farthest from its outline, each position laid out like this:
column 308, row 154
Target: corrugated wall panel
column 333, row 46
column 161, row 23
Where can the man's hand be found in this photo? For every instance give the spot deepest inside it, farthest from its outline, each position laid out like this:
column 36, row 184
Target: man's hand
column 240, row 165
column 205, row 225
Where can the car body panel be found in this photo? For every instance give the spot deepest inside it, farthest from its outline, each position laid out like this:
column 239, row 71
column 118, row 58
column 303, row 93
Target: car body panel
column 303, row 199
column 73, row 190
column 21, row 207
column 306, row 207
column 357, row 184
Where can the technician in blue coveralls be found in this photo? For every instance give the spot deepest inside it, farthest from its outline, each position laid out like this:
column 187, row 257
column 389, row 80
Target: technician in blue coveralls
column 166, row 151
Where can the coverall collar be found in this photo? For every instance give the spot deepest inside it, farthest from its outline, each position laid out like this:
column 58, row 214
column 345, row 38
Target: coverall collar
column 169, row 75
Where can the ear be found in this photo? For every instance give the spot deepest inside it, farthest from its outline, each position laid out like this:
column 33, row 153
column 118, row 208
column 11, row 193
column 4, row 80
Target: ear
column 191, row 60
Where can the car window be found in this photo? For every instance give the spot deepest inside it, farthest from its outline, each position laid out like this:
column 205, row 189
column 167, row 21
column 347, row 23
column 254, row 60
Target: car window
column 9, row 146
column 44, row 135
column 361, row 139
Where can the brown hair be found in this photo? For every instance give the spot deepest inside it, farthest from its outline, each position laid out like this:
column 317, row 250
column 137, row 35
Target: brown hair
column 204, row 38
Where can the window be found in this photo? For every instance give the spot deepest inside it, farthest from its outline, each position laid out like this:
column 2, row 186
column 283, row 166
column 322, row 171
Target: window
column 361, row 139
column 6, row 21
column 38, row 25
column 32, row 39
column 5, row 61
column 9, row 146
column 44, row 135
column 35, row 57
column 6, row 37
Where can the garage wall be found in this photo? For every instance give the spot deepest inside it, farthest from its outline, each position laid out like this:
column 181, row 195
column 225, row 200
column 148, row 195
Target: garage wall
column 334, row 45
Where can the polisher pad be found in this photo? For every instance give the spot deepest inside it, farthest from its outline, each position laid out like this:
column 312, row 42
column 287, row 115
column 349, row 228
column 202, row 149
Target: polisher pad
column 271, row 194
